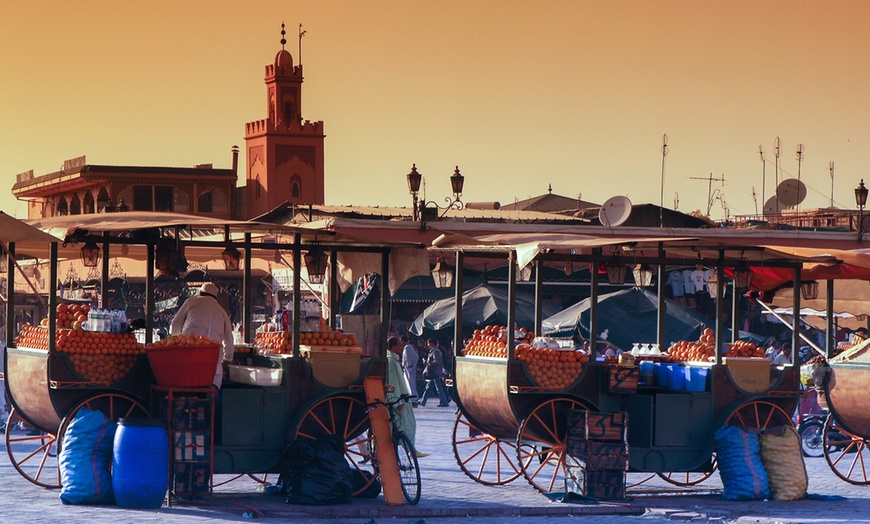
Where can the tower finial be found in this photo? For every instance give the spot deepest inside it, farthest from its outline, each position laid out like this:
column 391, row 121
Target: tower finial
column 283, row 40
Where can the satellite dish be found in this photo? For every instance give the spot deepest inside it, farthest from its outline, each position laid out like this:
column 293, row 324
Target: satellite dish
column 770, row 206
column 615, row 211
column 791, row 192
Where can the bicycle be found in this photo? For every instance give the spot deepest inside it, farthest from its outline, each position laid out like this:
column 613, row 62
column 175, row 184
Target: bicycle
column 409, row 471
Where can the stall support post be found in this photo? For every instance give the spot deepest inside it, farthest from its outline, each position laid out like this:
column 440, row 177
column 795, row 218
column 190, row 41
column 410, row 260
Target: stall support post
column 830, row 330
column 735, row 310
column 385, row 303
column 10, row 294
column 660, row 290
column 796, row 315
column 104, row 274
column 457, row 297
column 297, row 283
column 52, row 296
column 332, row 287
column 512, row 308
column 593, row 306
column 149, row 295
column 539, row 296
column 247, row 285
column 720, row 306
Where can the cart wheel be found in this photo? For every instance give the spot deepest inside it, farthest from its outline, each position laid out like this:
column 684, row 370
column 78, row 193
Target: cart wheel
column 847, row 454
column 345, row 417
column 33, row 456
column 759, row 415
column 114, row 405
column 688, row 478
column 634, row 481
column 484, row 458
column 542, row 443
column 812, row 438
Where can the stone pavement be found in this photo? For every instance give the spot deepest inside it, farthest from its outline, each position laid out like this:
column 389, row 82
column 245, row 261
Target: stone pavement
column 449, row 496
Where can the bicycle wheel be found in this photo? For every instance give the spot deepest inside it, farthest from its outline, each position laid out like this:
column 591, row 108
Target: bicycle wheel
column 409, row 470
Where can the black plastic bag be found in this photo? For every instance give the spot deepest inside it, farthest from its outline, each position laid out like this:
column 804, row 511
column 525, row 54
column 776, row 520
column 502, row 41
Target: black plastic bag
column 360, row 479
column 315, row 473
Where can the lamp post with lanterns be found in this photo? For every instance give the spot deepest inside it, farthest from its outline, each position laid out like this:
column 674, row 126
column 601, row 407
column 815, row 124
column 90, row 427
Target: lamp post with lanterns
column 861, row 200
column 425, row 211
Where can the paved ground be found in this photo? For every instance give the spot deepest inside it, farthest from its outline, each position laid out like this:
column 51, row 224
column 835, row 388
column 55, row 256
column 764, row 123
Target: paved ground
column 451, row 497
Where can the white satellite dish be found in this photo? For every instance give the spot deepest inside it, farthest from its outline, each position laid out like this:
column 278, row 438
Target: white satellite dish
column 615, row 211
column 790, row 193
column 770, row 206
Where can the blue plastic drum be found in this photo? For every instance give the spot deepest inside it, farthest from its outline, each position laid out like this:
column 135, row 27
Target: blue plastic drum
column 140, row 463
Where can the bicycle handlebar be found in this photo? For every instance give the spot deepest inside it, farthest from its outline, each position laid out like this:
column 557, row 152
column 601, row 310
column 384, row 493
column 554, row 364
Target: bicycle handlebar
column 401, row 398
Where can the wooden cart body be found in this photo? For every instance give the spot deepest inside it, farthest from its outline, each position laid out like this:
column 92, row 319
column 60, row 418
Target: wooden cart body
column 668, row 430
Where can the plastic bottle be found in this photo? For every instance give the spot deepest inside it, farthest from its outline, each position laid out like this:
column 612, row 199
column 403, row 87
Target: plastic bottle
column 122, row 320
column 114, row 321
column 92, row 320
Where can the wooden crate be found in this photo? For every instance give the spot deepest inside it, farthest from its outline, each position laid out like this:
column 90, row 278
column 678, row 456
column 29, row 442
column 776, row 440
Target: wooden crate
column 191, row 446
column 604, row 426
column 623, row 379
column 191, row 478
column 598, row 455
column 604, row 485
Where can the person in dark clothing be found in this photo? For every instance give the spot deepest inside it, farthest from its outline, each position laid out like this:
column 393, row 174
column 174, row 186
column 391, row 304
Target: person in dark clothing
column 434, row 374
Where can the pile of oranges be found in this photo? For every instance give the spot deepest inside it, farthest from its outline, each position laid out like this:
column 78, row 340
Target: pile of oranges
column 705, row 349
column 488, row 342
column 102, row 358
column 282, row 341
column 184, row 340
column 552, row 368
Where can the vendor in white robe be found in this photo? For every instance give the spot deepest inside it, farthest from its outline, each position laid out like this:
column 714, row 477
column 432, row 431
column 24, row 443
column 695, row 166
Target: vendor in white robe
column 396, row 378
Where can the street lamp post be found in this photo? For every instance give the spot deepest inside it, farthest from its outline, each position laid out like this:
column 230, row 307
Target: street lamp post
column 861, row 200
column 423, row 211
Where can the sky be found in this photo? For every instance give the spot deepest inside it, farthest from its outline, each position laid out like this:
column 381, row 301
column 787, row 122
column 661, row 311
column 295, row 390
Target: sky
column 576, row 94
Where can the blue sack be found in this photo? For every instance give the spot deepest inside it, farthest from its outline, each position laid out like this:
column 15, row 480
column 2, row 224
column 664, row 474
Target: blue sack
column 85, row 459
column 740, row 468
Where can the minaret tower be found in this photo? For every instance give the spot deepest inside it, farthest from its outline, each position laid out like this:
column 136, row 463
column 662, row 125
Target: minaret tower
column 284, row 152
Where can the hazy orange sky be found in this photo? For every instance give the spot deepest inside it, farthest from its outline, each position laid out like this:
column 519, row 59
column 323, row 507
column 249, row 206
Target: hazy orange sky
column 520, row 95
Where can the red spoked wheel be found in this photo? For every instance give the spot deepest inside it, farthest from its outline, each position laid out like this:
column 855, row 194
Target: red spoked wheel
column 485, row 458
column 114, row 405
column 344, row 417
column 847, row 454
column 759, row 415
column 542, row 446
column 688, row 478
column 33, row 453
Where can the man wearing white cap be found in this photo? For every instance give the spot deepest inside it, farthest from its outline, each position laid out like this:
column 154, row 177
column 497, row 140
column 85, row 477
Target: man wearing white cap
column 203, row 315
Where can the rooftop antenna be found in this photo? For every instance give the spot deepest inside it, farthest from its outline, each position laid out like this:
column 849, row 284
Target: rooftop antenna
column 776, row 150
column 710, row 179
column 755, row 199
column 763, row 179
column 301, row 34
column 662, row 196
column 800, row 158
column 831, row 169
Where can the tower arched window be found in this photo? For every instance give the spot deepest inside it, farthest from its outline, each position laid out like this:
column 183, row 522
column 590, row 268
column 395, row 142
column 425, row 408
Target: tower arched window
column 295, row 186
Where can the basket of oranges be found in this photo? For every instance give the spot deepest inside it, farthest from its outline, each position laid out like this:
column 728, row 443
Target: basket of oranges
column 184, row 360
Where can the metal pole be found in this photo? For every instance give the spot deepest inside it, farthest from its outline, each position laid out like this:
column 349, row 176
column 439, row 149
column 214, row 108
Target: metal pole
column 104, row 275
column 539, row 296
column 457, row 296
column 385, row 302
column 796, row 315
column 720, row 306
column 830, row 330
column 332, row 288
column 52, row 298
column 735, row 310
column 10, row 296
column 662, row 305
column 247, row 294
column 593, row 305
column 511, row 312
column 297, row 284
column 149, row 295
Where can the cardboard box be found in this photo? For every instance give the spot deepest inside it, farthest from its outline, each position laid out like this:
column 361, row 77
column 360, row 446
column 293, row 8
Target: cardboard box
column 598, row 455
column 190, row 479
column 623, row 379
column 191, row 446
column 752, row 375
column 191, row 413
column 602, row 426
column 604, row 485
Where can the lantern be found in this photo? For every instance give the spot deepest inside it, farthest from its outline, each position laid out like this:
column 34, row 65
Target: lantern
column 90, row 254
column 810, row 290
column 168, row 255
column 742, row 275
column 315, row 263
column 616, row 271
column 232, row 258
column 643, row 275
column 442, row 274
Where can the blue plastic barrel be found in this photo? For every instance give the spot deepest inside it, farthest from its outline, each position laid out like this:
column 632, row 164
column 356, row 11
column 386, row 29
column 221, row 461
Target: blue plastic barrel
column 140, row 463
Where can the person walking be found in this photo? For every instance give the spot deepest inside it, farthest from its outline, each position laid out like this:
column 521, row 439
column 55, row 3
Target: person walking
column 409, row 365
column 433, row 373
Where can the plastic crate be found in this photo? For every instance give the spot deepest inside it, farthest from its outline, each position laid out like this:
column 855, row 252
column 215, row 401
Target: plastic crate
column 256, row 376
column 184, row 366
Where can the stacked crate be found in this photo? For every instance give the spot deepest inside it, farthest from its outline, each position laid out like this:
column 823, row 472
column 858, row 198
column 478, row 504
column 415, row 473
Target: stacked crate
column 597, row 452
column 189, row 413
